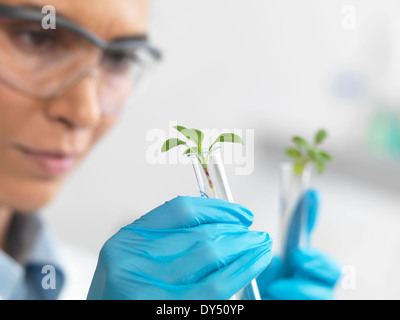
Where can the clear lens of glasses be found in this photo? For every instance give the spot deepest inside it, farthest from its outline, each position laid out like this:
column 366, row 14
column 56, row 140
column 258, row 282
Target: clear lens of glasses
column 46, row 63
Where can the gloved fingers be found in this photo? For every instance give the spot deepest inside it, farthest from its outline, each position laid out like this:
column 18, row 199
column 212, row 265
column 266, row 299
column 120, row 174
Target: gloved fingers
column 188, row 255
column 312, row 265
column 298, row 289
column 174, row 241
column 186, row 212
column 209, row 256
column 308, row 205
column 227, row 281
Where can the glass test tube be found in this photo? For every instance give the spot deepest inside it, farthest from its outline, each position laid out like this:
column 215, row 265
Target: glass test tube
column 293, row 211
column 213, row 183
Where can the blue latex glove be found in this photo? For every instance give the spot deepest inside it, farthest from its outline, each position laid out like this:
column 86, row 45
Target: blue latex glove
column 303, row 273
column 188, row 248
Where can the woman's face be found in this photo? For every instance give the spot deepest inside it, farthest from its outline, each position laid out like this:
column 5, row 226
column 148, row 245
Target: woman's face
column 41, row 142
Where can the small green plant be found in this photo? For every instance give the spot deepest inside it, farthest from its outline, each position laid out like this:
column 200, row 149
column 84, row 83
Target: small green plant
column 194, row 144
column 305, row 153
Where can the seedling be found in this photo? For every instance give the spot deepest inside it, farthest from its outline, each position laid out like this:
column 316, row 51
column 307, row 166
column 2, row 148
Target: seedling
column 194, row 144
column 305, row 153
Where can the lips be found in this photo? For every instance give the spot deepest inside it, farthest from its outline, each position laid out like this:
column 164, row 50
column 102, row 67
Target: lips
column 51, row 161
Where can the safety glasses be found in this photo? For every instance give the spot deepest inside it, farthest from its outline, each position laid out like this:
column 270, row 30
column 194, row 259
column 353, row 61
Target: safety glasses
column 45, row 63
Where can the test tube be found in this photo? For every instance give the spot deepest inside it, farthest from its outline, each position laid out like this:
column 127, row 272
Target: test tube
column 213, row 183
column 293, row 212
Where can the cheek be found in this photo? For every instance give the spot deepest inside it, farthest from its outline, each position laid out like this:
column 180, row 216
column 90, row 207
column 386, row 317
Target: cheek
column 17, row 190
column 14, row 111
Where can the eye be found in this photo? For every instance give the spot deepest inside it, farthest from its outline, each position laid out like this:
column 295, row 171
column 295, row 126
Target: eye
column 35, row 40
column 118, row 62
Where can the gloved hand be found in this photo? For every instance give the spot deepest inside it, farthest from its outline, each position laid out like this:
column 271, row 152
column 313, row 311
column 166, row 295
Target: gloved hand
column 188, row 248
column 304, row 273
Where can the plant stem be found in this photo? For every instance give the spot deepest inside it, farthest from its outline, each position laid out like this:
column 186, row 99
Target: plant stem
column 205, row 168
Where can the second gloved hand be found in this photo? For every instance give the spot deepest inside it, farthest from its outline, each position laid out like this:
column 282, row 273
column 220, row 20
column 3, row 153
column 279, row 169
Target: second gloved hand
column 188, row 248
column 303, row 273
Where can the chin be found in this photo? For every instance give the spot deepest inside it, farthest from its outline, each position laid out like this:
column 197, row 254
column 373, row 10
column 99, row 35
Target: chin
column 28, row 196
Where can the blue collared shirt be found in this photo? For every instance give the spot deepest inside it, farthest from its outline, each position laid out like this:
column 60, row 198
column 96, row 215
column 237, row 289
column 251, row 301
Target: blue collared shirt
column 30, row 269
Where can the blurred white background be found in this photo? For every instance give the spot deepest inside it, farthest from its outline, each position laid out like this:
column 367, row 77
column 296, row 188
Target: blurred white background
column 280, row 68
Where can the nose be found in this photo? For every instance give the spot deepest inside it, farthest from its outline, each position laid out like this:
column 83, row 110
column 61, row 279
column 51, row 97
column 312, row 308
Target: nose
column 79, row 106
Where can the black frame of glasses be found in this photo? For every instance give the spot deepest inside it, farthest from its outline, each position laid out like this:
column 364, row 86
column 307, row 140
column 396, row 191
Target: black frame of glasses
column 131, row 43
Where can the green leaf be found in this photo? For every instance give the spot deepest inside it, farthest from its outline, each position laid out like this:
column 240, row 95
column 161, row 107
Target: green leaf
column 171, row 143
column 194, row 135
column 325, row 155
column 179, row 128
column 227, row 137
column 194, row 150
column 320, row 166
column 293, row 153
column 298, row 167
column 320, row 137
column 300, row 142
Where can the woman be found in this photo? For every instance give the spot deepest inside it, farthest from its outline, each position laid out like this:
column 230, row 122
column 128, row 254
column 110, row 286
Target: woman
column 61, row 90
